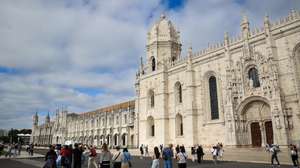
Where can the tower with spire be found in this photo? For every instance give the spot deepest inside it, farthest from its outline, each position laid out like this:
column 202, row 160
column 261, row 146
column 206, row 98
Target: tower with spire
column 163, row 44
column 47, row 119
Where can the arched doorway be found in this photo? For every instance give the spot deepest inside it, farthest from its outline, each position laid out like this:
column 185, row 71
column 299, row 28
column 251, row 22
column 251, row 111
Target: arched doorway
column 256, row 134
column 256, row 125
column 269, row 132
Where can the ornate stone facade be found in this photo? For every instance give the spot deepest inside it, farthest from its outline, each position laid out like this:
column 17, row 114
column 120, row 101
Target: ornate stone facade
column 113, row 125
column 242, row 91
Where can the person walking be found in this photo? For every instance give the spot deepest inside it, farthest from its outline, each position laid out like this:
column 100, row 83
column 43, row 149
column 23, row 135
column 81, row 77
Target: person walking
column 294, row 155
column 177, row 149
column 15, row 150
column 146, row 151
column 50, row 158
column 193, row 153
column 274, row 151
column 85, row 156
column 9, row 150
column 116, row 159
column 105, row 157
column 19, row 148
column 142, row 151
column 65, row 154
column 31, row 146
column 214, row 152
column 220, row 150
column 200, row 154
column 77, row 154
column 92, row 157
column 167, row 156
column 181, row 157
column 155, row 158
column 125, row 159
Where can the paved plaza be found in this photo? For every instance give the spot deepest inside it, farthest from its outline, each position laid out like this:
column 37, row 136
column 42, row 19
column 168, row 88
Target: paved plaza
column 233, row 158
column 137, row 163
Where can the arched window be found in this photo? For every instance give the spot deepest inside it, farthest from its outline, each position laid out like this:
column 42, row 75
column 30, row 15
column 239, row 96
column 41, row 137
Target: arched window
column 213, row 98
column 151, row 98
column 253, row 75
column 178, row 92
column 179, row 125
column 153, row 64
column 151, row 127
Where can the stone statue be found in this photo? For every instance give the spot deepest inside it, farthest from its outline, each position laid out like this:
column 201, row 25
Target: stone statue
column 277, row 122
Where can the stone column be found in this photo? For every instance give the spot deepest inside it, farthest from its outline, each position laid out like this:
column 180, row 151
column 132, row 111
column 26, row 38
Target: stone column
column 263, row 134
column 190, row 115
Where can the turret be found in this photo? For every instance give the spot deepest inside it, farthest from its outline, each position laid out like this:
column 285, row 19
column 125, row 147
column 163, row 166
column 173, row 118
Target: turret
column 163, row 43
column 47, row 119
column 35, row 120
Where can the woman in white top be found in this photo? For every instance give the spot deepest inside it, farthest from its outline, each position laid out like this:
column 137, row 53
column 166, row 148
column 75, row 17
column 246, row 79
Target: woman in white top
column 155, row 157
column 181, row 157
column 214, row 152
column 116, row 159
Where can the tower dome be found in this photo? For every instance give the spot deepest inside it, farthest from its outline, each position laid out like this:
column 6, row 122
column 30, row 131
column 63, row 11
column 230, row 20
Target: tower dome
column 163, row 30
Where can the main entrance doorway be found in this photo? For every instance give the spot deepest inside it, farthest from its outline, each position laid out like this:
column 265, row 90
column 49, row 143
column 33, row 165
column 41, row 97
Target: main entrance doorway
column 256, row 118
column 255, row 134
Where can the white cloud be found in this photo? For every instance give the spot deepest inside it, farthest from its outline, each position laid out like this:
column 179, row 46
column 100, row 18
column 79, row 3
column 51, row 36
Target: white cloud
column 58, row 46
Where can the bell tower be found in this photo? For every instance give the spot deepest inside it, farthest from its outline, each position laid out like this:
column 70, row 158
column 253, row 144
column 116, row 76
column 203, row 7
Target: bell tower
column 163, row 44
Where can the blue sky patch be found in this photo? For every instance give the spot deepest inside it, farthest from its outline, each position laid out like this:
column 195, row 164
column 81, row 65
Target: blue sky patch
column 90, row 91
column 174, row 4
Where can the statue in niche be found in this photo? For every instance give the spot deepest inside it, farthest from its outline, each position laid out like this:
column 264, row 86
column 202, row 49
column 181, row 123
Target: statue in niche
column 277, row 122
column 253, row 76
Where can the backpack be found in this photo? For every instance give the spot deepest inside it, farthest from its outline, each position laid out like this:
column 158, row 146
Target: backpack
column 93, row 153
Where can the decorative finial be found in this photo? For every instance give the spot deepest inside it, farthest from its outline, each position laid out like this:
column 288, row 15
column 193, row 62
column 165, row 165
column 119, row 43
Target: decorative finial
column 162, row 16
column 190, row 51
column 266, row 18
column 226, row 36
column 245, row 18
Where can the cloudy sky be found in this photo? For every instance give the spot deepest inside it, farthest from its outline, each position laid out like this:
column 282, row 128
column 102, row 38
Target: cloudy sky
column 83, row 54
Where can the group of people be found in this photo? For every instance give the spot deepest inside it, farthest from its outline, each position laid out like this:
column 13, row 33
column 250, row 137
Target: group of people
column 274, row 150
column 83, row 155
column 13, row 150
column 167, row 154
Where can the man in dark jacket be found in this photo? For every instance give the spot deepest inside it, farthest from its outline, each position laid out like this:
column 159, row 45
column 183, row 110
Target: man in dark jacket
column 200, row 154
column 77, row 153
column 50, row 158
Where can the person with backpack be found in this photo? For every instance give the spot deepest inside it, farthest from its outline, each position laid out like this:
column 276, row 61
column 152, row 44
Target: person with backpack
column 155, row 157
column 116, row 159
column 181, row 157
column 274, row 151
column 125, row 159
column 167, row 156
column 105, row 157
column 92, row 157
column 294, row 155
